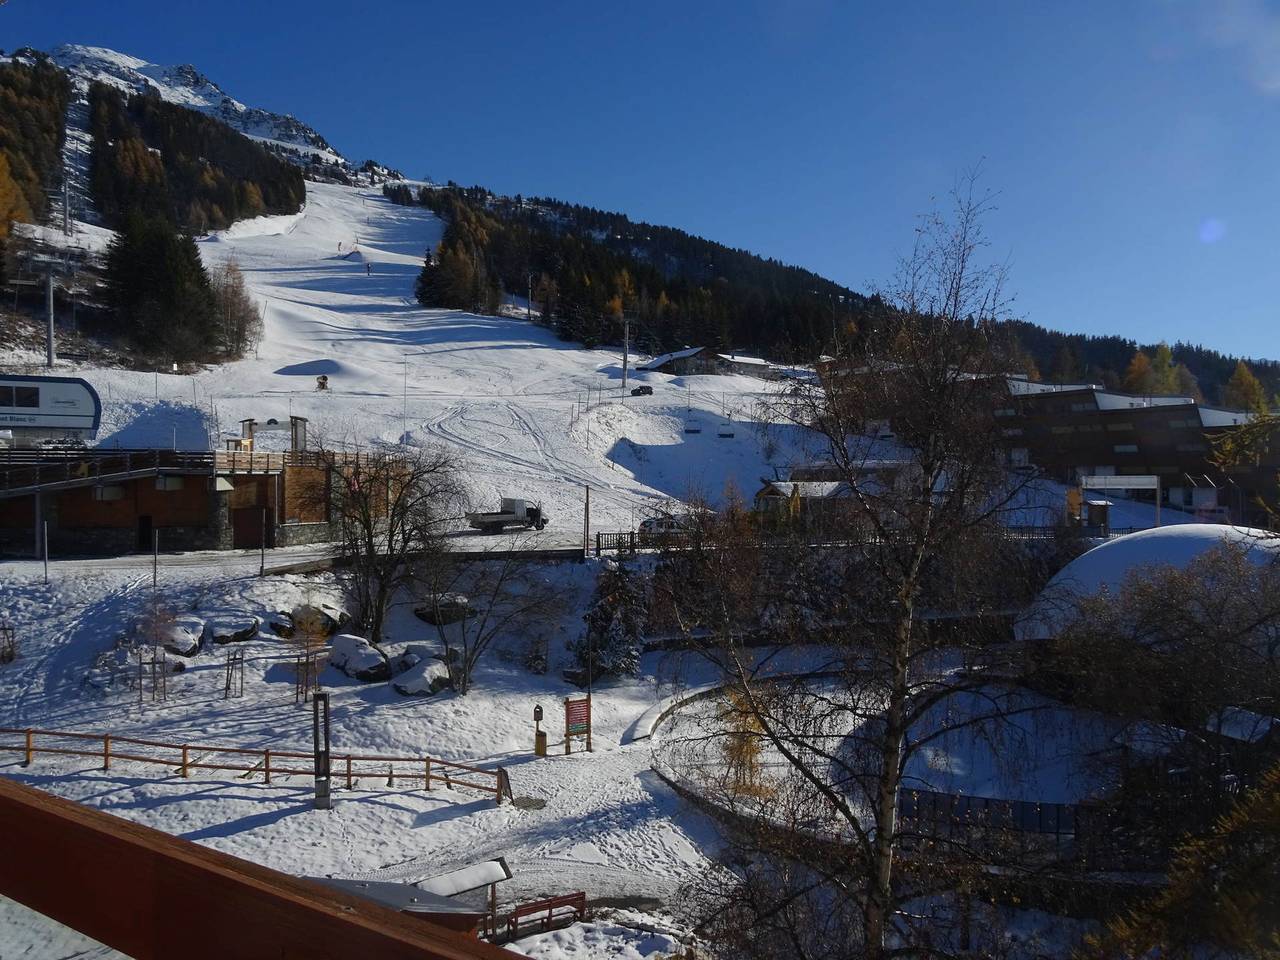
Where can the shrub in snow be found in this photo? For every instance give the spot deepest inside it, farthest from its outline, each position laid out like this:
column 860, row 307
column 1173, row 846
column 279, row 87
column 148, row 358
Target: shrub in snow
column 231, row 628
column 359, row 659
column 422, row 679
column 614, row 630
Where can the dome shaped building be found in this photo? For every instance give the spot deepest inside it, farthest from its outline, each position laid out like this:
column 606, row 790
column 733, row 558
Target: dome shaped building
column 1106, row 566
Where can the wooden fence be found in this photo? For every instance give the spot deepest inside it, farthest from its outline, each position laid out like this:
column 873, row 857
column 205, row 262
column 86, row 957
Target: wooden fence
column 183, row 758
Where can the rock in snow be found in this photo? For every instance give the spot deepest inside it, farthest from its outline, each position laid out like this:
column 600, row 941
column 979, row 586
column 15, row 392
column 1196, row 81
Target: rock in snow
column 180, row 635
column 422, row 679
column 231, row 628
column 359, row 659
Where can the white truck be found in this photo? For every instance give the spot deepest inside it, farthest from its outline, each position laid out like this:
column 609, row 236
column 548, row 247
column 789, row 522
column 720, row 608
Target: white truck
column 513, row 513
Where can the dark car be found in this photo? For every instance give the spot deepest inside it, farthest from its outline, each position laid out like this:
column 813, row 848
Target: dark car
column 642, row 391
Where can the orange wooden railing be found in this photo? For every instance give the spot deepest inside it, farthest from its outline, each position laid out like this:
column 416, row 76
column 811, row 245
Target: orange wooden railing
column 185, row 757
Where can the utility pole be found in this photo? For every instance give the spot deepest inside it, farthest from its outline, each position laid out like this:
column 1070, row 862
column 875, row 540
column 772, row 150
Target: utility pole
column 528, row 304
column 49, row 346
column 586, row 525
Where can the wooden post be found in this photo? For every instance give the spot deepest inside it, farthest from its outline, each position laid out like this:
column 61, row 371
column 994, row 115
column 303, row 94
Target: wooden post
column 589, row 750
column 30, row 751
column 106, row 751
column 391, row 775
column 348, row 772
column 185, row 772
column 428, row 774
column 566, row 726
column 266, row 764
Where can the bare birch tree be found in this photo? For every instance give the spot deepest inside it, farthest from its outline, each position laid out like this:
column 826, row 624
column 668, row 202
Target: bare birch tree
column 907, row 579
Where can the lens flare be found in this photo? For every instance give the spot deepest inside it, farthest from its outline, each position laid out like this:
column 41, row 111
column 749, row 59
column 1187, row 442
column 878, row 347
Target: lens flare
column 1212, row 230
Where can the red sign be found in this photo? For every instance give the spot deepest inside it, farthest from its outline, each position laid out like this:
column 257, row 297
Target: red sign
column 577, row 716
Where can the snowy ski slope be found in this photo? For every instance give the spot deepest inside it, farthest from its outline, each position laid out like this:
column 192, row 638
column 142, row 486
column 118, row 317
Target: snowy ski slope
column 337, row 281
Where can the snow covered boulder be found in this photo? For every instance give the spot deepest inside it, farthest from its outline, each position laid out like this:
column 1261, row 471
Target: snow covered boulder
column 359, row 659
column 282, row 625
column 422, row 679
column 231, row 628
column 178, row 635
column 315, row 620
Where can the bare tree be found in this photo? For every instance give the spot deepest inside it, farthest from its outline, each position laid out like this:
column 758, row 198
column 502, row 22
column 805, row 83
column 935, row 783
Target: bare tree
column 491, row 599
column 239, row 315
column 391, row 504
column 907, row 578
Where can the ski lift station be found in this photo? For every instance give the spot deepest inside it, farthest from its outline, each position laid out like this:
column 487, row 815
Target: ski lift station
column 41, row 410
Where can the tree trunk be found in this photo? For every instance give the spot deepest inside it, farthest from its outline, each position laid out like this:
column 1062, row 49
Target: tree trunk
column 880, row 899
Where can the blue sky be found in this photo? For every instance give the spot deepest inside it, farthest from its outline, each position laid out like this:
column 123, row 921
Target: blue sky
column 1134, row 145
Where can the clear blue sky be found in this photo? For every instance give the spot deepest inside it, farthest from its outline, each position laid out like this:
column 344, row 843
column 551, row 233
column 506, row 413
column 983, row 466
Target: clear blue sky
column 1135, row 145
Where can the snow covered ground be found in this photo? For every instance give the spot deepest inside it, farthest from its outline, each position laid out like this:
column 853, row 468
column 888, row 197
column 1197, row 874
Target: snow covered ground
column 606, row 824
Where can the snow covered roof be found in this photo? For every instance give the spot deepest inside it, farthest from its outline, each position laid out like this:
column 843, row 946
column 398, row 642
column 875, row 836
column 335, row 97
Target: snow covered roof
column 1243, row 725
column 1106, row 566
column 466, row 879
column 1124, row 401
column 1220, row 417
column 739, row 358
column 1147, row 739
column 661, row 361
column 809, row 489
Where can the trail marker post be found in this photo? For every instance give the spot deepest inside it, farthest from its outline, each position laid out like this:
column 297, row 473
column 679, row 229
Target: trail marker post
column 539, row 735
column 320, row 740
column 577, row 721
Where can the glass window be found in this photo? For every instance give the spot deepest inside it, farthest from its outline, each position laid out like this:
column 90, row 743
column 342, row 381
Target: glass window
column 26, row 396
column 6, row 396
column 1126, row 448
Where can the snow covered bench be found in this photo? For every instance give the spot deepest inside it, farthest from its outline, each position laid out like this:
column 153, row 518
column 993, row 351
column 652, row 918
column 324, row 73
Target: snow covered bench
column 554, row 911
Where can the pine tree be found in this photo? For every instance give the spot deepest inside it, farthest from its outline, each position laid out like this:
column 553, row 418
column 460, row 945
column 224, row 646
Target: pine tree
column 1138, row 377
column 1222, row 891
column 1244, row 391
column 614, row 624
column 159, row 292
column 1064, row 368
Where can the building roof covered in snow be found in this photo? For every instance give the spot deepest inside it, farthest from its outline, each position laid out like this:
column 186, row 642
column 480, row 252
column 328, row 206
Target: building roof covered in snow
column 657, row 363
column 1106, row 566
column 809, row 489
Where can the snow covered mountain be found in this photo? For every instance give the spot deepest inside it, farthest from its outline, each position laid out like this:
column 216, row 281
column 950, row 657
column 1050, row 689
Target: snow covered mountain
column 186, row 86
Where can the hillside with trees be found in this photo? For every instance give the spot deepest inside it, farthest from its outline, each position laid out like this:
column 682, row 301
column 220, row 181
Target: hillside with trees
column 162, row 160
column 587, row 269
column 33, row 101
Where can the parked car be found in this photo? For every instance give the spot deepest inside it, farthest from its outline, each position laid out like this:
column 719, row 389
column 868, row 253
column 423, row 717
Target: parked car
column 644, row 390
